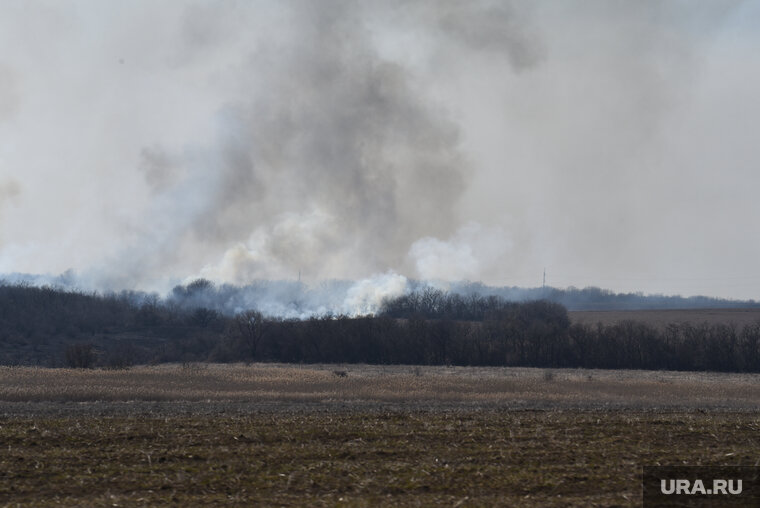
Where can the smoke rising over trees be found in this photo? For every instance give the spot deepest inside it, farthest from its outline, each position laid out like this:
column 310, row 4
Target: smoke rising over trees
column 438, row 140
column 45, row 326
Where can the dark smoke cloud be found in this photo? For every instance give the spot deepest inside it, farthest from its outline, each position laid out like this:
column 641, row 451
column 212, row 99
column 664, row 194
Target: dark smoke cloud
column 161, row 170
column 610, row 142
column 329, row 160
column 495, row 27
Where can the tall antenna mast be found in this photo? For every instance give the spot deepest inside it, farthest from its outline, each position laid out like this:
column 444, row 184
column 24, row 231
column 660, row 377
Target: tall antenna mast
column 544, row 285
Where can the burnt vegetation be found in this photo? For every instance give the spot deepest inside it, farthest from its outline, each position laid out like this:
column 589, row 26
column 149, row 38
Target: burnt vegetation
column 52, row 327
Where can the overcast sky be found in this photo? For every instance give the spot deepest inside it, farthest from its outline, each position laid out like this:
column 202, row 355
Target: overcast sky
column 613, row 143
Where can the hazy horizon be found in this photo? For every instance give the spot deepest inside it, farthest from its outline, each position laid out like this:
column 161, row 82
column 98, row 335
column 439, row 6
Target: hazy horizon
column 610, row 143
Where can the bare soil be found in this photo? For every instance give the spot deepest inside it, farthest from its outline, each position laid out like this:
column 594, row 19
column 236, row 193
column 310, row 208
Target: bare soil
column 357, row 458
column 283, row 435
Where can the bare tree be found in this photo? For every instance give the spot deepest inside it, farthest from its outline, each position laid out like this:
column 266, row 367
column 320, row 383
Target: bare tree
column 80, row 356
column 250, row 328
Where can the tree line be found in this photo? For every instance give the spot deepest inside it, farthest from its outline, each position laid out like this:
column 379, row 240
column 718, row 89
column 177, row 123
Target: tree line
column 52, row 327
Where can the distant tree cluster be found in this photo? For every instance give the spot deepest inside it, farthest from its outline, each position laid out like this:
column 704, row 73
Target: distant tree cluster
column 46, row 326
column 436, row 304
column 512, row 334
column 52, row 327
column 682, row 346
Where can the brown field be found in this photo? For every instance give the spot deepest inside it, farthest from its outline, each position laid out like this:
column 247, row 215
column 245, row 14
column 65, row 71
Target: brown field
column 662, row 318
column 367, row 384
column 280, row 435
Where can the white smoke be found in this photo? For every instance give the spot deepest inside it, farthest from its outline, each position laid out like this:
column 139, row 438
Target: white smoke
column 608, row 141
column 366, row 296
column 291, row 299
column 9, row 192
column 474, row 250
column 280, row 250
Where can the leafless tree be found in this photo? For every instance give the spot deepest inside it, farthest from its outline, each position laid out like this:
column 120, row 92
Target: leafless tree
column 250, row 327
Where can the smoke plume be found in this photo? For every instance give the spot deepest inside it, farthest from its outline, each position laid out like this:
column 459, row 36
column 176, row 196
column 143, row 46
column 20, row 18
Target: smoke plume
column 381, row 142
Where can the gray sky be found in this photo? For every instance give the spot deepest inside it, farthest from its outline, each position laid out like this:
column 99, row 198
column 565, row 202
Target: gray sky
column 614, row 143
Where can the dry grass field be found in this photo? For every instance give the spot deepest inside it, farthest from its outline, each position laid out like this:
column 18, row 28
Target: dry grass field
column 280, row 435
column 662, row 318
column 357, row 384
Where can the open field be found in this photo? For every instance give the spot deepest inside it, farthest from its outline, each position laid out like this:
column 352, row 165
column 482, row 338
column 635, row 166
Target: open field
column 662, row 318
column 358, row 458
column 279, row 435
column 267, row 384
